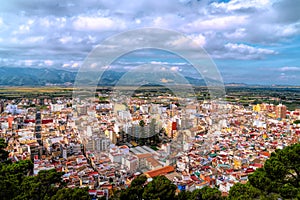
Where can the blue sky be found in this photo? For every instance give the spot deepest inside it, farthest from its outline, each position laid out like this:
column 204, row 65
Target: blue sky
column 253, row 41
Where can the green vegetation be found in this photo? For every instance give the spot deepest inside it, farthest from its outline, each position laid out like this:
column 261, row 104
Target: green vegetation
column 159, row 188
column 136, row 189
column 280, row 175
column 205, row 193
column 142, row 123
column 14, row 93
column 247, row 95
column 71, row 194
column 15, row 182
column 3, row 153
column 244, row 192
column 162, row 188
column 154, row 148
column 279, row 178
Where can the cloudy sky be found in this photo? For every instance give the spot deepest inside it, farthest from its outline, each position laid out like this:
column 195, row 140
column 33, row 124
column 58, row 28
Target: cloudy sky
column 253, row 41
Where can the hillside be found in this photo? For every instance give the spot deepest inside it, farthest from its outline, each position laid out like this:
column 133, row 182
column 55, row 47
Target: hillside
column 20, row 76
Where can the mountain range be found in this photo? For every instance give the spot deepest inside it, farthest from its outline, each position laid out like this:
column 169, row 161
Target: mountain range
column 20, row 76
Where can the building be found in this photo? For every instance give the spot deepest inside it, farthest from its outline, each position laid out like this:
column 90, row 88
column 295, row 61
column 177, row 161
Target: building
column 131, row 163
column 38, row 127
column 280, row 111
column 160, row 171
column 1, row 106
column 102, row 143
column 56, row 107
column 82, row 110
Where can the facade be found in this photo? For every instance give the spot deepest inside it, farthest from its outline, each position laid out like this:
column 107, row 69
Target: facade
column 280, row 111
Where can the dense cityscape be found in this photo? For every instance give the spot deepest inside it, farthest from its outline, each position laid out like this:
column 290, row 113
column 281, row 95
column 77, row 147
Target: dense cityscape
column 149, row 100
column 103, row 145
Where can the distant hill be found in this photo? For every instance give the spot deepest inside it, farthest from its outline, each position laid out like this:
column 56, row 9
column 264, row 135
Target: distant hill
column 21, row 76
column 235, row 85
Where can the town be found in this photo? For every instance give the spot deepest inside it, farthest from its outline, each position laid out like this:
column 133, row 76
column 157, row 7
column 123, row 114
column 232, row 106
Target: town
column 103, row 143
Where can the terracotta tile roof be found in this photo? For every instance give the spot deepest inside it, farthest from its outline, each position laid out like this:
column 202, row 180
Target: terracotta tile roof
column 153, row 161
column 265, row 153
column 144, row 155
column 160, row 171
column 172, row 175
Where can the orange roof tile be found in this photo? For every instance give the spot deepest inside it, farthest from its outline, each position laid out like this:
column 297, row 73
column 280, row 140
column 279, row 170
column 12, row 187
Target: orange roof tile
column 144, row 155
column 153, row 161
column 160, row 171
column 265, row 153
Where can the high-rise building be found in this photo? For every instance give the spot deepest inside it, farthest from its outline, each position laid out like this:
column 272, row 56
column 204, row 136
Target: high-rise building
column 280, row 111
column 1, row 106
column 82, row 110
column 102, row 143
column 38, row 127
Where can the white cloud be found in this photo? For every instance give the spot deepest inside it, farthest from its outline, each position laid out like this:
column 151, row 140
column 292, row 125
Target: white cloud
column 195, row 41
column 45, row 22
column 198, row 40
column 53, row 22
column 158, row 22
column 174, row 68
column 75, row 65
column 34, row 39
column 138, row 21
column 287, row 77
column 48, row 62
column 26, row 40
column 235, row 29
column 92, row 39
column 234, row 5
column 288, row 30
column 158, row 63
column 286, row 69
column 24, row 28
column 217, row 23
column 87, row 23
column 65, row 39
column 30, row 21
column 28, row 62
column 66, row 65
column 93, row 65
column 242, row 52
column 105, row 67
column 238, row 33
column 246, row 49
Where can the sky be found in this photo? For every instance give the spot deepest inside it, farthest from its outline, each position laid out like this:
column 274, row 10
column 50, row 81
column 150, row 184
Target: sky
column 253, row 41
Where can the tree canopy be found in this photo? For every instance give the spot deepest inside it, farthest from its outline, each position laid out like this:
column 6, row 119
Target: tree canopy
column 279, row 178
column 243, row 192
column 3, row 153
column 280, row 174
column 136, row 189
column 162, row 188
column 16, row 182
column 71, row 194
column 159, row 188
column 142, row 123
column 205, row 193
